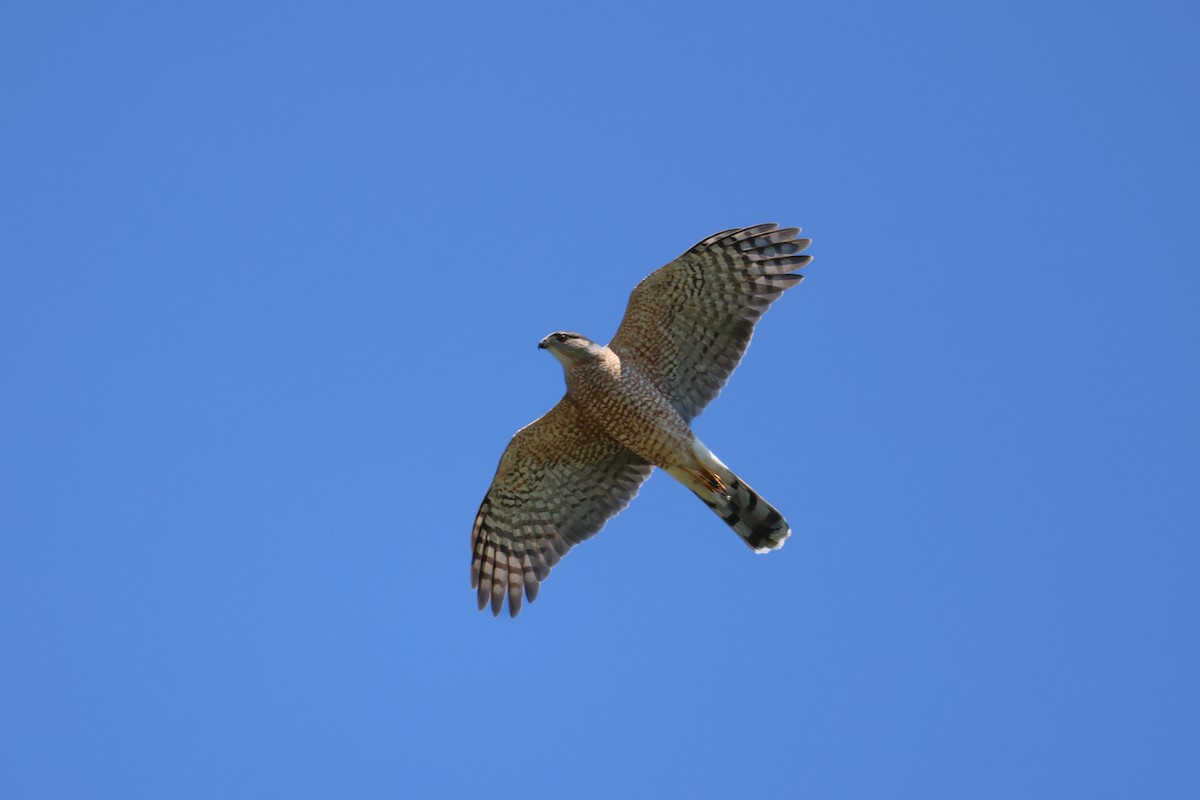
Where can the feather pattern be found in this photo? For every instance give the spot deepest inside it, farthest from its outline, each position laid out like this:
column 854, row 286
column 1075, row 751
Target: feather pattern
column 560, row 479
column 691, row 321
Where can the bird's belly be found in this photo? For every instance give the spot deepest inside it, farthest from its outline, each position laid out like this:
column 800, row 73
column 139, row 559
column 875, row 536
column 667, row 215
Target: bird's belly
column 630, row 409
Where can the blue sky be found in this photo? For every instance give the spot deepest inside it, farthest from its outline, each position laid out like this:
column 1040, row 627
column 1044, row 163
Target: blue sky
column 271, row 280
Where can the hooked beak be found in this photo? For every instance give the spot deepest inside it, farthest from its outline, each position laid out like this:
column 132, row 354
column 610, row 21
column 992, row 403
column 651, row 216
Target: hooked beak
column 542, row 345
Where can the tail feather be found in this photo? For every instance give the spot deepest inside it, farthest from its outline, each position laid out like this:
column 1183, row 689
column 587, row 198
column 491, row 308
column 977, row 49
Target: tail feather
column 759, row 524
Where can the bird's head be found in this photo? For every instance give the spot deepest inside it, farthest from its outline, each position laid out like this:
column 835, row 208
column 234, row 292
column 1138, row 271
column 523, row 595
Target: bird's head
column 570, row 348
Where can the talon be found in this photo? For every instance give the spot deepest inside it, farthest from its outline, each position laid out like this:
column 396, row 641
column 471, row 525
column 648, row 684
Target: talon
column 710, row 480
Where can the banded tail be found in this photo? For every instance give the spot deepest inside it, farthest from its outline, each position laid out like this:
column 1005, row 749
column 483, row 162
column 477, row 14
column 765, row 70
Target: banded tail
column 759, row 524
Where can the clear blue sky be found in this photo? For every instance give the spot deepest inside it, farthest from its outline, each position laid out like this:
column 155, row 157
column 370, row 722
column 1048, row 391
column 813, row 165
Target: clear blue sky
column 271, row 280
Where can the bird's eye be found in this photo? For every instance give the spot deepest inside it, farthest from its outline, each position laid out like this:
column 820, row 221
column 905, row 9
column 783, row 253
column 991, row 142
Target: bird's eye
column 562, row 337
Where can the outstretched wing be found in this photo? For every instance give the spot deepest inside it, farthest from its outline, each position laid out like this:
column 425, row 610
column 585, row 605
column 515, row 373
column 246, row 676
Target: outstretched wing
column 689, row 322
column 559, row 481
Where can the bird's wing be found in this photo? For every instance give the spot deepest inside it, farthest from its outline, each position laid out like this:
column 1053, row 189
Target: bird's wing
column 559, row 481
column 689, row 322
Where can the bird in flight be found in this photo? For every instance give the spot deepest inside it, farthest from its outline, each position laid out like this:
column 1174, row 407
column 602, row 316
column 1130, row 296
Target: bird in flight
column 627, row 410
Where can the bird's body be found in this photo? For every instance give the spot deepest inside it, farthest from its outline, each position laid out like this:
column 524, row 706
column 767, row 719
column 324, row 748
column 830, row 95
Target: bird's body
column 627, row 409
column 624, row 402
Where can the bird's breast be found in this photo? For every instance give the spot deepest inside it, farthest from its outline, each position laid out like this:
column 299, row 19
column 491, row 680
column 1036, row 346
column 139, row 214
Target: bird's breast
column 628, row 406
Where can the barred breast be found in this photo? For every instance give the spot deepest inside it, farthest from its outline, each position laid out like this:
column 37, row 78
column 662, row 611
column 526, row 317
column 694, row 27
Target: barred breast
column 628, row 406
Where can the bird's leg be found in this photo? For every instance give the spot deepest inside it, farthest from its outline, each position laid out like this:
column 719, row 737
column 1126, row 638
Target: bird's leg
column 709, row 480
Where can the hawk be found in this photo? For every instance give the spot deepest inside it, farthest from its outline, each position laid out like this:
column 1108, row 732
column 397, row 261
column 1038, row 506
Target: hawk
column 627, row 410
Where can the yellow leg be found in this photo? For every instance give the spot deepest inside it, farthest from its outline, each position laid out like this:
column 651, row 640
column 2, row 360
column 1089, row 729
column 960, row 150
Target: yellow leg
column 709, row 480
